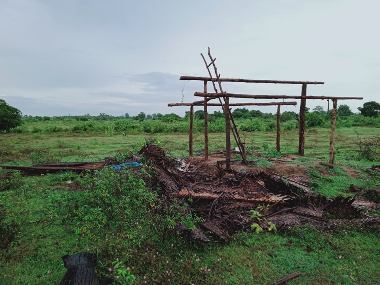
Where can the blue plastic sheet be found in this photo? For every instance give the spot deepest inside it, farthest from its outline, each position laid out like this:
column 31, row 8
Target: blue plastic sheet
column 129, row 164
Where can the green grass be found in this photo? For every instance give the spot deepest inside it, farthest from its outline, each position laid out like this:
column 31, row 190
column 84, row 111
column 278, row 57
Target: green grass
column 33, row 208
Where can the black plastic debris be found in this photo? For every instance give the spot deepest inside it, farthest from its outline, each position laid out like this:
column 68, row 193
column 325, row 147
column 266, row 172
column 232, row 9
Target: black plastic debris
column 80, row 269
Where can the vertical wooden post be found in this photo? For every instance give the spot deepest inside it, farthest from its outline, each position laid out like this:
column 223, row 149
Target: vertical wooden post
column 328, row 105
column 228, row 132
column 278, row 116
column 301, row 139
column 191, row 122
column 206, row 120
column 332, row 132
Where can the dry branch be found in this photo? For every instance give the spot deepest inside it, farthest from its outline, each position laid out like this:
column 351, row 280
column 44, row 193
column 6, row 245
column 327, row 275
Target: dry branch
column 185, row 193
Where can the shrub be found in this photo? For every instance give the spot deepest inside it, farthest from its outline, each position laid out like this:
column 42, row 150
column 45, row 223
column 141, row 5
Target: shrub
column 10, row 181
column 316, row 119
column 369, row 148
column 115, row 213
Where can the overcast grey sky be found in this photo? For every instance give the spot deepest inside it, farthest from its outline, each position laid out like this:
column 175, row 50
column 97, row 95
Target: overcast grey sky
column 76, row 57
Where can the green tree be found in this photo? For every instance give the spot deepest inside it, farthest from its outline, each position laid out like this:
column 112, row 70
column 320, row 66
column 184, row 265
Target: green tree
column 288, row 115
column 370, row 109
column 241, row 113
column 199, row 114
column 344, row 110
column 256, row 113
column 170, row 117
column 218, row 114
column 141, row 116
column 10, row 117
column 318, row 109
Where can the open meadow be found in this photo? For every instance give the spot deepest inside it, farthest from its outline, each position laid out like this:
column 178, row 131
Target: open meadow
column 44, row 218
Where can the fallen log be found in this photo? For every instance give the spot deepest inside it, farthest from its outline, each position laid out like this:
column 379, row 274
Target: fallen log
column 54, row 168
column 185, row 193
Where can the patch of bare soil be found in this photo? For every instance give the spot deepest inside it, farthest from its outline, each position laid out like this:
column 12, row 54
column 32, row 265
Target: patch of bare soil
column 352, row 172
column 232, row 201
column 295, row 173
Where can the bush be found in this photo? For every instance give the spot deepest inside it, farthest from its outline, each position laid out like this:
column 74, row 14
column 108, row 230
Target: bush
column 10, row 181
column 316, row 119
column 10, row 117
column 369, row 148
column 115, row 213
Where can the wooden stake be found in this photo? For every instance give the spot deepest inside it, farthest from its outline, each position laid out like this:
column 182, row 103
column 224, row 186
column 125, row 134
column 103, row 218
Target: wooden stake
column 206, row 121
column 278, row 116
column 301, row 138
column 332, row 132
column 228, row 133
column 191, row 121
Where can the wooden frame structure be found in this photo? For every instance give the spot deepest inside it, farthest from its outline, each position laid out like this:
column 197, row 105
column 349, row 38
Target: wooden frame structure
column 302, row 110
column 224, row 99
column 202, row 103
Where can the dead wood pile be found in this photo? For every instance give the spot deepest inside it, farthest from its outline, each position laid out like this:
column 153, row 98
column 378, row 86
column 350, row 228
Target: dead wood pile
column 229, row 202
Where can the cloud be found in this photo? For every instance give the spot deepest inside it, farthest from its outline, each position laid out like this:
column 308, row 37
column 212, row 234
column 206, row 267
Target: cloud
column 132, row 93
column 119, row 56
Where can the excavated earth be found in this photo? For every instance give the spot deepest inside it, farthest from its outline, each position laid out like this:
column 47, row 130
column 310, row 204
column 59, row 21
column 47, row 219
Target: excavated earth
column 232, row 201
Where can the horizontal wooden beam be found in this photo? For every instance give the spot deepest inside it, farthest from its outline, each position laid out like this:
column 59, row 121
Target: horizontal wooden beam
column 234, row 95
column 200, row 103
column 200, row 78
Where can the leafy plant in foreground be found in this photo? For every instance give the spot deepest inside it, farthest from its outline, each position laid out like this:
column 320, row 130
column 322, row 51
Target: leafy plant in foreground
column 115, row 213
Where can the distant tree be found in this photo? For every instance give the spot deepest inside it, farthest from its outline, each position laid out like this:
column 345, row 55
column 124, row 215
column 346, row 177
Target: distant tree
column 199, row 114
column 156, row 116
column 256, row 113
column 370, row 109
column 318, row 109
column 104, row 116
column 218, row 114
column 10, row 117
column 344, row 110
column 141, row 116
column 149, row 117
column 126, row 115
column 170, row 117
column 287, row 116
column 241, row 113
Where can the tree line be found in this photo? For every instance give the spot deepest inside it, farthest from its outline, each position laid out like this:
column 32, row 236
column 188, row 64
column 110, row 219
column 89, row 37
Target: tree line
column 10, row 117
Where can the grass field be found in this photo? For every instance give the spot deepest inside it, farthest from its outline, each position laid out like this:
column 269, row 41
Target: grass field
column 32, row 211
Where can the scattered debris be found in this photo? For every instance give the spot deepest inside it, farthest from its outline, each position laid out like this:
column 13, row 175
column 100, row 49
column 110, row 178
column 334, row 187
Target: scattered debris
column 225, row 200
column 81, row 270
column 376, row 168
